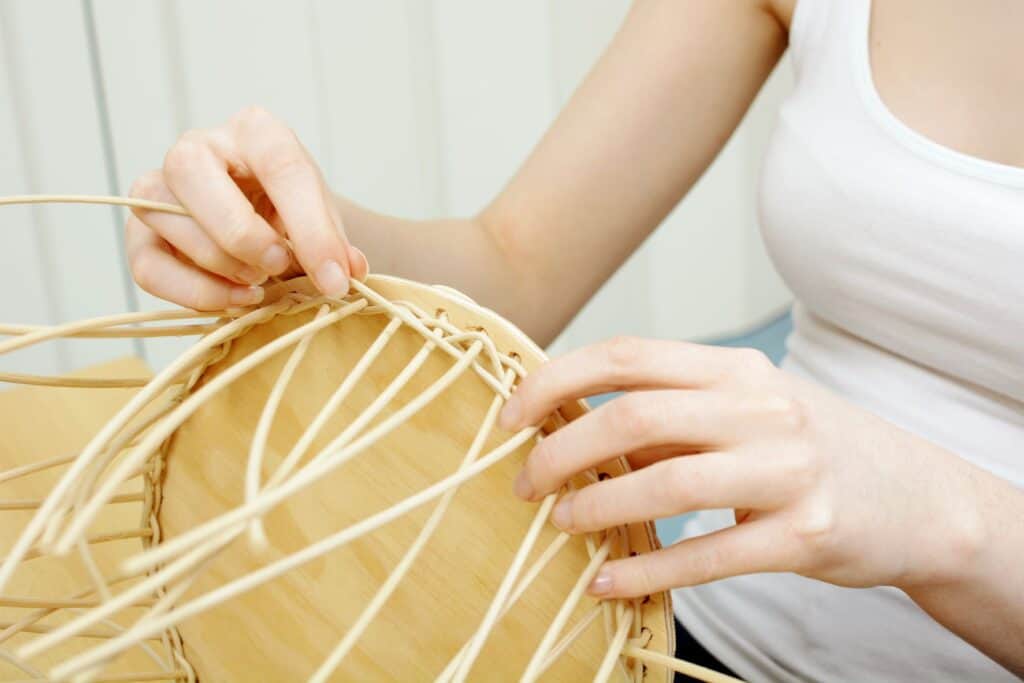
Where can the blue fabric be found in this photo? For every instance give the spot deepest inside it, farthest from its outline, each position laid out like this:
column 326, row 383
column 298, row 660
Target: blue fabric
column 770, row 338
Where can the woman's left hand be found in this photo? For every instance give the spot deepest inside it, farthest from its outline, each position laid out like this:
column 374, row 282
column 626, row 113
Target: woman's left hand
column 819, row 487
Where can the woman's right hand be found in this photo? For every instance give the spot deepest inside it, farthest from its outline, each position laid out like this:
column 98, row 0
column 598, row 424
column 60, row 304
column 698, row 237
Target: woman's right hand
column 249, row 185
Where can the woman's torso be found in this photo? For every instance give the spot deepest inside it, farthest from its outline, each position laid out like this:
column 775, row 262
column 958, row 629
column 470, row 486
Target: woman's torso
column 907, row 260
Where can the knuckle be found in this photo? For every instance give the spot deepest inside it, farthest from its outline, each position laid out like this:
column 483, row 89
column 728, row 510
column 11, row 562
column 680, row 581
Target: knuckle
column 644, row 576
column 587, row 511
column 252, row 114
column 622, row 353
column 283, row 158
column 142, row 271
column 633, row 417
column 193, row 299
column 146, row 185
column 784, row 412
column 542, row 466
column 212, row 259
column 183, row 154
column 706, row 565
column 791, row 414
column 238, row 238
column 679, row 485
column 816, row 528
column 198, row 297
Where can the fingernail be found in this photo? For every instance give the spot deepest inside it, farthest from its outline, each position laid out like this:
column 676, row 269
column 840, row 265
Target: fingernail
column 561, row 516
column 275, row 259
column 252, row 275
column 356, row 256
column 511, row 413
column 522, row 487
column 331, row 280
column 601, row 585
column 245, row 296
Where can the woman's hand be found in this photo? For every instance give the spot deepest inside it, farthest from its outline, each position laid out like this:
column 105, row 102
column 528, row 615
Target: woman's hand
column 248, row 186
column 819, row 487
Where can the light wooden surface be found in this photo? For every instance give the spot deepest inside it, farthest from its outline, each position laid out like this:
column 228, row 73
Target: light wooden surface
column 284, row 629
column 39, row 423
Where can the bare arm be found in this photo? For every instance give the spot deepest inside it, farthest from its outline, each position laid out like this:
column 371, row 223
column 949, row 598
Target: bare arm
column 984, row 603
column 639, row 132
column 642, row 128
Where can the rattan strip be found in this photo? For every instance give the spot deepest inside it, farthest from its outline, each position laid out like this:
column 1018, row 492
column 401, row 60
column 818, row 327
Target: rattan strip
column 120, row 332
column 49, row 511
column 569, row 638
column 318, row 467
column 478, row 639
column 506, row 389
column 386, row 589
column 533, row 669
column 187, row 556
column 125, row 596
column 265, row 573
column 163, row 429
column 259, row 440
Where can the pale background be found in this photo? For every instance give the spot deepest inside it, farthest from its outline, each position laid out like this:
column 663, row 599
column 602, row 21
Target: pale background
column 415, row 107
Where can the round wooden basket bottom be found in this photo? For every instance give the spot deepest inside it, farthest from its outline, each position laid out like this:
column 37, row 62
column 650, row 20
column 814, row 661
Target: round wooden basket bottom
column 324, row 495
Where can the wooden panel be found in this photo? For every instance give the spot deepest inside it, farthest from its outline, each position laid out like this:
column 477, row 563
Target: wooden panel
column 73, row 416
column 292, row 622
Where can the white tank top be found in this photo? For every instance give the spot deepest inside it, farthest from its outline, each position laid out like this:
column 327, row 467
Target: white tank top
column 907, row 260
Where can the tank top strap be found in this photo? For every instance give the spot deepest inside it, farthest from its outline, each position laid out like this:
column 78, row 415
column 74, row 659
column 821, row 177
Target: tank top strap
column 824, row 30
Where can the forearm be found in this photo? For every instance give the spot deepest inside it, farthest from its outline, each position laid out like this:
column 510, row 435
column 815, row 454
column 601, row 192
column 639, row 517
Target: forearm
column 635, row 136
column 984, row 602
column 462, row 253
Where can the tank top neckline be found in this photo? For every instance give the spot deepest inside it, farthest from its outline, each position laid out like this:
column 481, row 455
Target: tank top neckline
column 918, row 143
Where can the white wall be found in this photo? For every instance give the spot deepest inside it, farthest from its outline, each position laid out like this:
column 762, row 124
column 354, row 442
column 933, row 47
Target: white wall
column 416, row 107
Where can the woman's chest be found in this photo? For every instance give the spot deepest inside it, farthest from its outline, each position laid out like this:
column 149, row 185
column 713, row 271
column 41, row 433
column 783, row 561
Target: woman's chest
column 917, row 255
column 948, row 69
column 894, row 236
column 951, row 70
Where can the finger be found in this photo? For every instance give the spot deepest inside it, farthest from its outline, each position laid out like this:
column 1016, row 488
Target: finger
column 196, row 171
column 623, row 363
column 295, row 186
column 360, row 266
column 160, row 273
column 185, row 235
column 681, row 484
column 687, row 420
column 759, row 546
